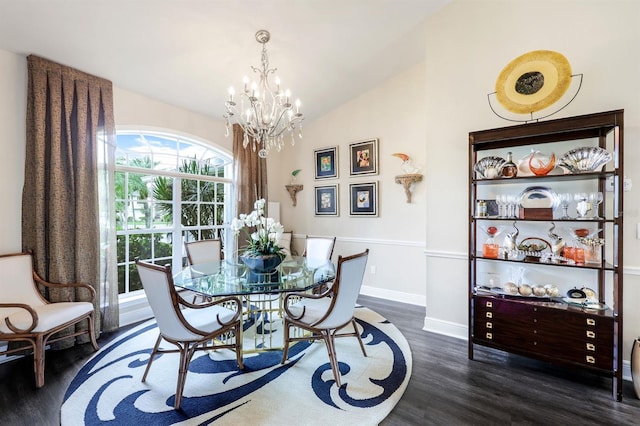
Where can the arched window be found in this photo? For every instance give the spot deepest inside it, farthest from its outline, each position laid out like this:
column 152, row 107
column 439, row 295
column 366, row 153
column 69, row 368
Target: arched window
column 169, row 189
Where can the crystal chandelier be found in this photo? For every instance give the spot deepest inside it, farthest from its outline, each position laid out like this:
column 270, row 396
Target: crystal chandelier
column 266, row 115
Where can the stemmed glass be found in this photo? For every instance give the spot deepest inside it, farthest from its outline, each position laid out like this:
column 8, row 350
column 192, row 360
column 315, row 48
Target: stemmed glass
column 596, row 198
column 512, row 201
column 565, row 199
column 501, row 201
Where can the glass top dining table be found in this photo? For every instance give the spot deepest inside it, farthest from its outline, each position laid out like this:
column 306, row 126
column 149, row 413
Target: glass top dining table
column 230, row 277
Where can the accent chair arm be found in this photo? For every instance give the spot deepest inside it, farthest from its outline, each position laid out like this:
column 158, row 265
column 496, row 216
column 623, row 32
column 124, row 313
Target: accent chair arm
column 34, row 317
column 91, row 290
column 220, row 301
column 302, row 296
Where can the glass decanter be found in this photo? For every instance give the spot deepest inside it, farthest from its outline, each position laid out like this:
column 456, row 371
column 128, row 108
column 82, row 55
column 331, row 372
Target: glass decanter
column 490, row 248
column 509, row 169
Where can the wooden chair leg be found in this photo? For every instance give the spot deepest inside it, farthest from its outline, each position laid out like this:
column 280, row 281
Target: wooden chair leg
column 285, row 350
column 333, row 359
column 153, row 354
column 183, row 367
column 92, row 334
column 355, row 329
column 38, row 360
column 238, row 338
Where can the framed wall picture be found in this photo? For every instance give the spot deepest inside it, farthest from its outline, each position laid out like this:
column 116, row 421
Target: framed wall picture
column 326, row 160
column 363, row 157
column 326, row 200
column 363, row 199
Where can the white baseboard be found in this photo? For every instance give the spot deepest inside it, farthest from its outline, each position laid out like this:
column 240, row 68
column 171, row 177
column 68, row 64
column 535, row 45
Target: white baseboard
column 446, row 328
column 395, row 296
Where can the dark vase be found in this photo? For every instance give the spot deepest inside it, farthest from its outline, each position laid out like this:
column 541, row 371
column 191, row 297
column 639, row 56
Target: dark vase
column 262, row 268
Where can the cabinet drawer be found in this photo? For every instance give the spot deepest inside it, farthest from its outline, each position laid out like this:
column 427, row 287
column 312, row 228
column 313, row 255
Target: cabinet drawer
column 574, row 337
column 548, row 331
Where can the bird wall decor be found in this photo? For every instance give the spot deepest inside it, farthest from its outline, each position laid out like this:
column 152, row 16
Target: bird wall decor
column 406, row 166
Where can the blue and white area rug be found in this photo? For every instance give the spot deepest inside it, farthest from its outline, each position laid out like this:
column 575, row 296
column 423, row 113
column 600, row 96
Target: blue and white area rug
column 108, row 390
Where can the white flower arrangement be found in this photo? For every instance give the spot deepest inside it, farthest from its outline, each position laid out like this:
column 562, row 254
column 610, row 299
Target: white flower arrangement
column 264, row 239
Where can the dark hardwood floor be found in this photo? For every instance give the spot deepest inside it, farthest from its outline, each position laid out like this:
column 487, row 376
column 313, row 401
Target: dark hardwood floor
column 446, row 388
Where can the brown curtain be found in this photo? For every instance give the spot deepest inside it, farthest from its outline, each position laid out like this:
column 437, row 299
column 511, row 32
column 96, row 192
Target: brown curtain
column 69, row 120
column 250, row 173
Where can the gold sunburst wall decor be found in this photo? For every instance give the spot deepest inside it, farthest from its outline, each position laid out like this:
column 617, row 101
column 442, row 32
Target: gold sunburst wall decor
column 533, row 81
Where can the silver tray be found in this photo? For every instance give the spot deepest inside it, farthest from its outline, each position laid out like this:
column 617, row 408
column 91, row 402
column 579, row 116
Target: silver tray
column 539, row 197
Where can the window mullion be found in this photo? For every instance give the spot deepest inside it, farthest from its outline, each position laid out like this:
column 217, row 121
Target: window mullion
column 177, row 224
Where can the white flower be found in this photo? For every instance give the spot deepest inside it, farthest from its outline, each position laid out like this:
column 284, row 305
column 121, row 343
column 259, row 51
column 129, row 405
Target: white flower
column 237, row 225
column 259, row 205
column 264, row 240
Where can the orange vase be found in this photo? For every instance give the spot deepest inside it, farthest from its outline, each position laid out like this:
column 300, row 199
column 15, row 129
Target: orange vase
column 541, row 164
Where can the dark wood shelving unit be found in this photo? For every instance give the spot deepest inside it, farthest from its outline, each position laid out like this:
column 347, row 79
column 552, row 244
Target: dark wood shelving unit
column 549, row 329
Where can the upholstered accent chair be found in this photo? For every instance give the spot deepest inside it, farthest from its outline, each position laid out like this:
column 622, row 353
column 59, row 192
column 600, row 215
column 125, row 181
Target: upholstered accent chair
column 188, row 326
column 325, row 314
column 26, row 315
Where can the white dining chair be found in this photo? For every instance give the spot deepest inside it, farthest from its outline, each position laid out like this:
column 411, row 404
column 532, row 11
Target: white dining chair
column 188, row 326
column 203, row 251
column 323, row 315
column 318, row 250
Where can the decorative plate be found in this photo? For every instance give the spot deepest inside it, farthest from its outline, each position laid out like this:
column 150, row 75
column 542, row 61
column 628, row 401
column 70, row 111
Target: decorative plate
column 539, row 197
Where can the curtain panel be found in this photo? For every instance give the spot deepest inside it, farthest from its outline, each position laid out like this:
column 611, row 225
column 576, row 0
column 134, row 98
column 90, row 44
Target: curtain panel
column 250, row 173
column 70, row 137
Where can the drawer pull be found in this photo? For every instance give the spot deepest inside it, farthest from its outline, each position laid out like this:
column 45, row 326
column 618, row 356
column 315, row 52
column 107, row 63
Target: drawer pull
column 591, row 334
column 489, row 325
column 489, row 336
column 591, row 321
column 489, row 305
column 590, row 359
column 489, row 314
column 591, row 347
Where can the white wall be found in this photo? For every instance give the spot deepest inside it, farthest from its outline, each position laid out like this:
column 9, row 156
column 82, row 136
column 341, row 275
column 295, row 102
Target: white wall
column 467, row 45
column 134, row 110
column 13, row 89
column 394, row 113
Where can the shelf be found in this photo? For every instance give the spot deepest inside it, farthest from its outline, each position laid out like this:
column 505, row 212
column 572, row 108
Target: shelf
column 548, row 302
column 293, row 191
column 513, row 219
column 553, row 178
column 564, row 129
column 406, row 181
column 605, row 266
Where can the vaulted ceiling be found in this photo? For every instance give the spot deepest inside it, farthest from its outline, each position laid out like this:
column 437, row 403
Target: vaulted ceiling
column 187, row 53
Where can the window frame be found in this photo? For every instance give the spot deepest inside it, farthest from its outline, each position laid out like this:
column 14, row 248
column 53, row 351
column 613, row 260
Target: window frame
column 176, row 229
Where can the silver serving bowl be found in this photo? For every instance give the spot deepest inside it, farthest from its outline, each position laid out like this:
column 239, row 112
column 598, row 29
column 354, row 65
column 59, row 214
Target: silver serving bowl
column 585, row 159
column 489, row 167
